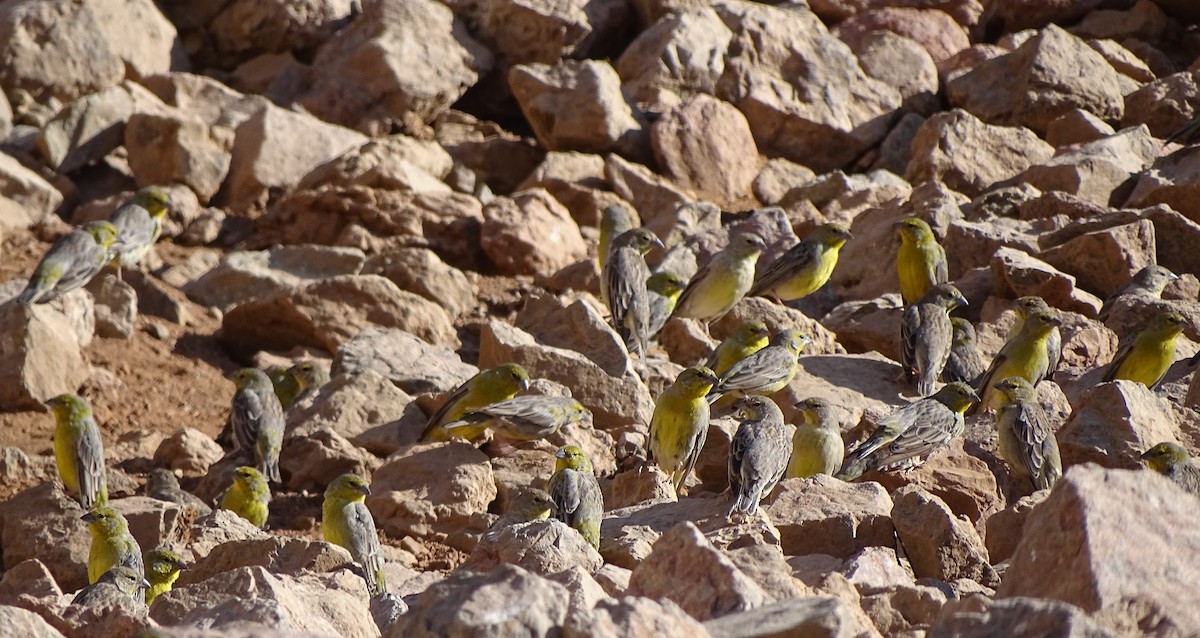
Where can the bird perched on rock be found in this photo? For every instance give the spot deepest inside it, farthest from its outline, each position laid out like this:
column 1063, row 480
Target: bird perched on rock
column 679, row 424
column 292, row 383
column 139, row 221
column 965, row 363
column 483, row 389
column 1026, row 355
column 162, row 570
column 1026, row 306
column 346, row 522
column 118, row 586
column 765, row 372
column 805, row 267
column 663, row 289
column 926, row 335
column 1147, row 283
column 530, row 504
column 523, row 418
column 78, row 451
column 1026, row 440
column 576, row 494
column 112, row 544
column 614, row 221
column 721, row 282
column 921, row 260
column 624, row 282
column 1147, row 356
column 256, row 420
column 70, row 263
column 1171, row 460
column 163, row 485
column 910, row 435
column 249, row 496
column 817, row 446
column 758, row 454
column 746, row 339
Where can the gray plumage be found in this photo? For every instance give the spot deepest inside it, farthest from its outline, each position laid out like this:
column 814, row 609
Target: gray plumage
column 161, row 484
column 1172, row 461
column 118, row 586
column 766, row 371
column 1026, row 440
column 964, row 363
column 139, row 222
column 578, row 501
column 1147, row 283
column 70, row 263
column 624, row 282
column 926, row 335
column 257, row 421
column 758, row 454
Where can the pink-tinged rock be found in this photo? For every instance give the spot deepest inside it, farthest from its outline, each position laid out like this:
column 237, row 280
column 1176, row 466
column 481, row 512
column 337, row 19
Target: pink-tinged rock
column 680, row 55
column 824, row 515
column 970, row 155
column 530, row 234
column 705, row 145
column 935, row 30
column 1113, row 423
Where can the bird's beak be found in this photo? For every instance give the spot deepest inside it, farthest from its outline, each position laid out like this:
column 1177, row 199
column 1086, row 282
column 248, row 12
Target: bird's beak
column 1055, row 321
column 364, row 490
column 90, row 517
column 1173, row 277
column 711, row 377
column 179, row 564
column 974, row 395
column 1145, row 455
column 658, row 242
column 143, row 584
column 524, row 385
column 560, row 454
column 961, row 300
column 849, row 235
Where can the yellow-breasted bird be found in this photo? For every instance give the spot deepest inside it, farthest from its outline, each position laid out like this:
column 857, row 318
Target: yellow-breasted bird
column 679, row 424
column 614, row 221
column 483, row 389
column 576, row 493
column 758, row 454
column 909, row 436
column 926, row 336
column 1025, row 306
column 765, row 372
column 292, row 383
column 721, row 282
column 1026, row 440
column 162, row 570
column 1148, row 283
column 921, row 260
column 112, row 544
column 664, row 289
column 746, row 339
column 249, row 496
column 1172, row 461
column 78, row 450
column 1026, row 355
column 346, row 522
column 523, row 418
column 965, row 363
column 139, row 221
column 1147, row 356
column 70, row 263
column 805, row 267
column 118, row 586
column 817, row 446
column 256, row 420
column 624, row 282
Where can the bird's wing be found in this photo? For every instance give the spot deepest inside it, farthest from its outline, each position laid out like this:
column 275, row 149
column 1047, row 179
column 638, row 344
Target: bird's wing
column 364, row 543
column 794, row 260
column 440, row 414
column 246, row 416
column 693, row 285
column 910, row 329
column 764, row 367
column 89, row 463
column 1122, row 354
column 565, row 492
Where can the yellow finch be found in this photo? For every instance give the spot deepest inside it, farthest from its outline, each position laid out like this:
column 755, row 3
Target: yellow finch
column 664, row 289
column 1026, row 306
column 249, row 496
column 1146, row 357
column 576, row 494
column 614, row 221
column 117, row 586
column 256, row 420
column 921, row 260
column 909, row 436
column 679, row 423
column 346, row 522
column 749, row 337
column 1026, row 355
column 483, row 389
column 1148, row 283
column 1026, row 440
column 965, row 363
column 112, row 544
column 758, row 454
column 523, row 418
column 1171, row 460
column 817, row 446
column 804, row 268
column 78, row 450
column 70, row 263
column 926, row 336
column 721, row 282
column 139, row 221
column 624, row 282
column 765, row 372
column 292, row 383
column 162, row 570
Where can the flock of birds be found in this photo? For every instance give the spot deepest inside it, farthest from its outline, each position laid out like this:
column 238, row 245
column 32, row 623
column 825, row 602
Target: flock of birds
column 938, row 357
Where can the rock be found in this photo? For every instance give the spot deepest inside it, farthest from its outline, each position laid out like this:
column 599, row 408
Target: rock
column 654, row 197
column 174, row 147
column 40, row 356
column 577, row 181
column 576, row 326
column 20, row 471
column 1113, row 423
column 86, row 129
column 1166, row 182
column 60, row 37
column 1076, row 126
column 964, row 482
column 934, row 29
column 428, row 489
column 861, row 385
column 275, row 553
column 219, row 528
column 28, row 579
column 245, row 28
column 871, row 325
column 877, row 569
column 543, row 547
column 811, row 616
column 43, row 523
column 627, row 535
column 27, row 198
column 903, row 64
column 904, row 608
column 969, row 155
column 632, row 616
column 189, row 451
column 705, row 146
column 312, row 460
column 421, row 271
column 983, row 617
column 522, row 31
column 245, row 275
column 1020, row 275
column 823, row 515
column 777, row 177
column 681, row 54
column 395, row 162
column 411, row 364
column 359, row 407
column 765, row 564
column 938, row 544
column 153, row 522
column 1104, row 260
column 1006, row 527
column 530, row 234
column 15, row 621
column 115, row 306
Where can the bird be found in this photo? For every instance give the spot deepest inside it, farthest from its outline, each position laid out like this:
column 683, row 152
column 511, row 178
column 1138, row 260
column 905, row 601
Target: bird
column 721, row 282
column 1172, row 461
column 256, row 420
column 1026, row 440
column 624, row 282
column 523, row 418
column 817, row 446
column 294, row 382
column 249, row 496
column 530, row 504
column 1026, row 355
column 926, row 336
column 346, row 522
column 679, row 424
column 1147, row 283
column 1025, row 306
column 162, row 570
column 614, row 221
column 139, row 222
column 921, row 260
column 805, row 267
column 576, row 493
column 163, row 485
column 765, row 372
column 117, row 586
column 485, row 388
column 965, row 363
column 1146, row 357
column 746, row 339
column 911, row 434
column 663, row 290
column 78, row 450
column 758, row 455
column 70, row 263
column 112, row 544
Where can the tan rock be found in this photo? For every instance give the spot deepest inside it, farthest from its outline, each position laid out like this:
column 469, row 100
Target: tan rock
column 40, row 356
column 939, row 544
column 1113, row 423
column 43, row 523
column 777, row 177
column 245, row 28
column 978, row 616
column 632, row 616
column 970, row 155
column 705, row 146
column 86, row 129
column 574, row 325
column 824, row 515
column 1006, row 528
column 411, row 364
column 902, row 63
column 433, row 489
column 654, row 197
column 933, row 28
column 166, row 148
column 680, row 54
column 1020, row 275
column 61, row 37
column 395, row 162
column 1104, row 260
column 219, row 528
column 811, row 616
column 421, row 271
column 1159, row 104
column 544, row 547
column 356, row 408
column 275, row 553
column 1094, row 170
column 27, row 197
column 530, row 234
column 522, row 31
column 16, row 621
column 1076, row 126
column 313, row 459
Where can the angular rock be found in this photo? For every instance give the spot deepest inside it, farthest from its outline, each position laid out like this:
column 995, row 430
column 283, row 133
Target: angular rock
column 312, row 460
column 15, row 621
column 824, row 515
column 219, row 528
column 174, row 147
column 1113, row 423
column 359, row 407
column 1006, row 527
column 54, row 49
column 632, row 616
column 40, row 356
column 43, row 523
column 1103, row 261
column 530, row 234
column 1017, row 615
column 245, row 275
column 1076, row 126
column 421, row 271
column 1020, row 275
column 245, row 28
column 543, row 547
column 576, row 326
column 395, row 162
column 969, row 155
column 275, row 553
column 812, row 616
column 428, row 489
column 115, row 306
column 522, row 31
column 654, row 197
column 86, row 130
column 26, row 197
column 938, row 544
column 189, row 451
column 705, row 146
column 411, row 364
column 903, row 64
column 933, row 28
column 681, row 54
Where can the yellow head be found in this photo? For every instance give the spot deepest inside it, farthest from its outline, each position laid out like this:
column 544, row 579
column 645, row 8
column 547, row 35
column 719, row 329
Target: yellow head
column 1041, row 323
column 831, row 235
column 155, row 200
column 103, row 232
column 792, row 340
column 750, row 333
column 1017, row 389
column 105, row 521
column 1026, row 306
column 697, row 381
column 163, row 562
column 508, row 378
column 249, row 478
column 573, row 458
column 746, row 245
column 964, row 332
column 69, row 407
column 350, row 487
column 667, row 284
column 309, row 374
column 914, row 230
column 252, row 378
column 1166, row 326
column 957, row 396
column 532, row 504
column 815, row 411
column 1164, row 456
